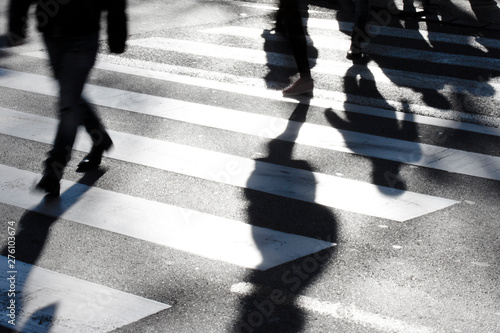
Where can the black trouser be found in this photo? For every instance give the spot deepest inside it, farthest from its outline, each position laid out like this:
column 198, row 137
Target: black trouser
column 290, row 17
column 18, row 18
column 359, row 33
column 71, row 60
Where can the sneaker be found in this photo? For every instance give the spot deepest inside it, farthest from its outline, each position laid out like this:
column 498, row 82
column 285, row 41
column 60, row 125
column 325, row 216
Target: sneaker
column 300, row 87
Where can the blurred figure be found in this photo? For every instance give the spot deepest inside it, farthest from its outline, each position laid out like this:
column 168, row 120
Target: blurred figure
column 70, row 31
column 290, row 21
column 359, row 33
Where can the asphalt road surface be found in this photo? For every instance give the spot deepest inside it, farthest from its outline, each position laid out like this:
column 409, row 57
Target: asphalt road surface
column 224, row 207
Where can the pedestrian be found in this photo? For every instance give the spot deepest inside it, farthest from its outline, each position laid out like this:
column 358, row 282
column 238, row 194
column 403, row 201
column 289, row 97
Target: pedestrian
column 290, row 20
column 70, row 30
column 359, row 34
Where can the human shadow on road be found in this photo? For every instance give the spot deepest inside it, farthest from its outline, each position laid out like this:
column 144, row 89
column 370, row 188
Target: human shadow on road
column 450, row 77
column 33, row 230
column 271, row 305
column 440, row 74
column 386, row 158
column 423, row 60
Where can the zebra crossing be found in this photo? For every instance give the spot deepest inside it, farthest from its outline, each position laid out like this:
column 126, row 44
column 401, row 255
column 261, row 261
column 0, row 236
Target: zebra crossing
column 51, row 294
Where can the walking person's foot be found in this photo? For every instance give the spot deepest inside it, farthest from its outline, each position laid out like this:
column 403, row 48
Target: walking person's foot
column 50, row 185
column 94, row 158
column 300, row 87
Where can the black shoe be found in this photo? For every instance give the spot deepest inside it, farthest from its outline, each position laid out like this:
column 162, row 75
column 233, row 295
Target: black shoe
column 354, row 54
column 94, row 158
column 49, row 185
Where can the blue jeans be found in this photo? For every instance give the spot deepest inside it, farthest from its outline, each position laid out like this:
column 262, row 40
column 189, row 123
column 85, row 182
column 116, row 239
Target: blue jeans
column 71, row 60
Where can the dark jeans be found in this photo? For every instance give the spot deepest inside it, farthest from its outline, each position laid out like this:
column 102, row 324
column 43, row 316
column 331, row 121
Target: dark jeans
column 290, row 18
column 359, row 33
column 71, row 60
column 18, row 16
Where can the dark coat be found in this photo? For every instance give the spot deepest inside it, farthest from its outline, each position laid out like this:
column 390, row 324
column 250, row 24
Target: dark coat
column 74, row 18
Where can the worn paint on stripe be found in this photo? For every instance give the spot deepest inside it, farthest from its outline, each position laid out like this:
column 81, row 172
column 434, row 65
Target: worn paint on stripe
column 47, row 301
column 314, row 187
column 198, row 233
column 338, row 310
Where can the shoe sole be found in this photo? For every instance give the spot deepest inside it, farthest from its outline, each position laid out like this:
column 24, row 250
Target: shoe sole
column 308, row 92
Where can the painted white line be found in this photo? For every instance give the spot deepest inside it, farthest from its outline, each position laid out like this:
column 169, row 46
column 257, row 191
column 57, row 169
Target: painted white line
column 342, row 43
column 47, row 301
column 337, row 310
column 258, row 88
column 266, row 7
column 257, row 6
column 397, row 78
column 335, row 192
column 424, row 155
column 198, row 233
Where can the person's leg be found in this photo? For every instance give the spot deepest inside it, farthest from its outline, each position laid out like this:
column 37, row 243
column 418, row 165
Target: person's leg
column 71, row 61
column 101, row 141
column 94, row 126
column 292, row 21
column 18, row 18
column 359, row 34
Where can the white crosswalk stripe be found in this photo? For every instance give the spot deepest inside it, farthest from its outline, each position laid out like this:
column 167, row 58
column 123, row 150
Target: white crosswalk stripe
column 440, row 158
column 58, row 296
column 288, row 182
column 341, row 45
column 388, row 76
column 218, row 238
column 251, row 246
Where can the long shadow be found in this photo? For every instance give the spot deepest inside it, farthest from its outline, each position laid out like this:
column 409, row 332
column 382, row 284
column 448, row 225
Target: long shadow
column 33, row 230
column 471, row 99
column 386, row 171
column 447, row 96
column 272, row 307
